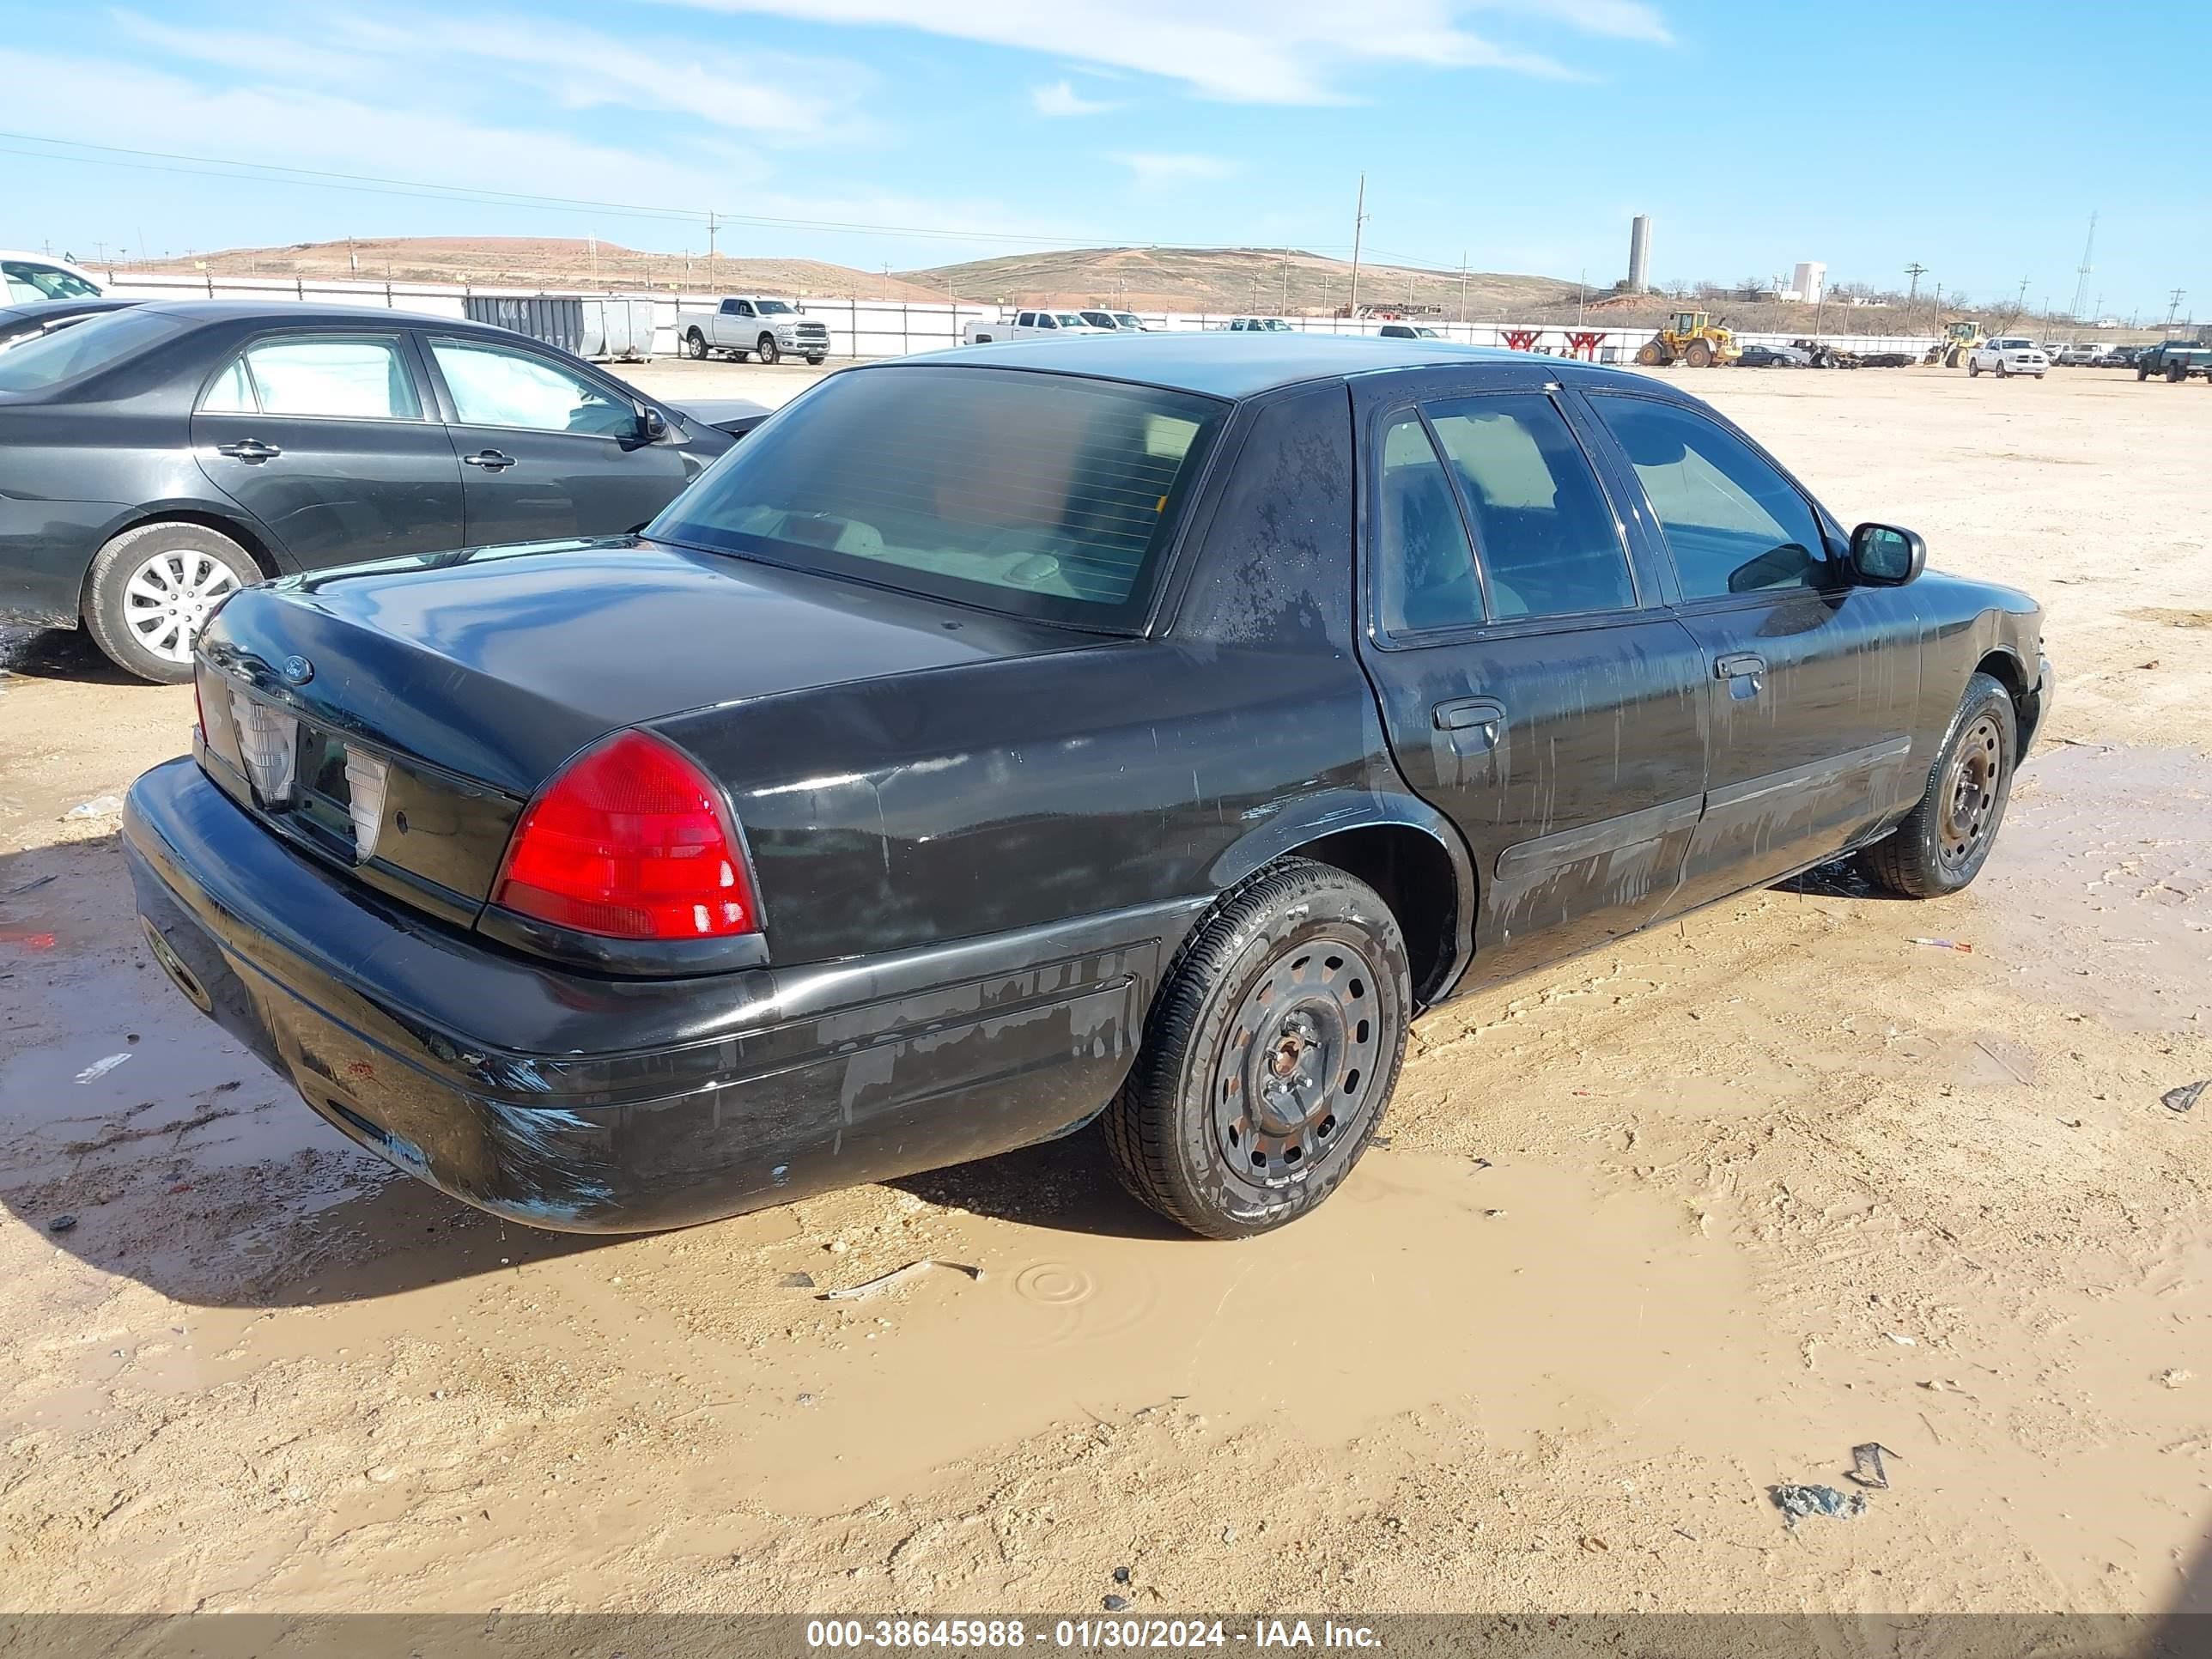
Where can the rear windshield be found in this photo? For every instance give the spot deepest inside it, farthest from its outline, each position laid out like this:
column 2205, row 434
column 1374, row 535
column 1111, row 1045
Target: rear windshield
column 1042, row 495
column 71, row 353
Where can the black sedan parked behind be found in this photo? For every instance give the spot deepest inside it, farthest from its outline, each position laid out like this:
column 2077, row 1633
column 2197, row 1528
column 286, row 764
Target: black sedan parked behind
column 1147, row 726
column 155, row 461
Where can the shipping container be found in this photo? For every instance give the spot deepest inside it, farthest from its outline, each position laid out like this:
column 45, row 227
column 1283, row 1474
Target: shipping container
column 598, row 326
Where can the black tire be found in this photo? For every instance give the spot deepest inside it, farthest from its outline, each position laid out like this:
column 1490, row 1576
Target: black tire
column 740, row 355
column 1973, row 369
column 766, row 351
column 124, row 609
column 814, row 362
column 694, row 345
column 2143, row 370
column 1946, row 839
column 2176, row 374
column 1300, row 968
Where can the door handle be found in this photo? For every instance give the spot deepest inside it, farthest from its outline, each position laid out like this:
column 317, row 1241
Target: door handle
column 252, row 451
column 1743, row 664
column 491, row 460
column 1470, row 723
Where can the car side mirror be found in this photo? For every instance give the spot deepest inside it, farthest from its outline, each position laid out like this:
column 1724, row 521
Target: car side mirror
column 1882, row 555
column 652, row 424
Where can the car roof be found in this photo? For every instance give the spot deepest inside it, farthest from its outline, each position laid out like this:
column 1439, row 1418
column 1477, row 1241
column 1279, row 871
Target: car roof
column 1210, row 363
column 36, row 310
column 295, row 311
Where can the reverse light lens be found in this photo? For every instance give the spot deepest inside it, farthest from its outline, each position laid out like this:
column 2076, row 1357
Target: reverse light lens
column 366, row 776
column 269, row 742
column 630, row 842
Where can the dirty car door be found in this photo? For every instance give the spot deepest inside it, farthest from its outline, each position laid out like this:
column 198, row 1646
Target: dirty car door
column 1813, row 681
column 1529, row 691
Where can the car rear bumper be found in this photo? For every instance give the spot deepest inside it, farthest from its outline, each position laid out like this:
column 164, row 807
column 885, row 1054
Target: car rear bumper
column 587, row 1104
column 46, row 548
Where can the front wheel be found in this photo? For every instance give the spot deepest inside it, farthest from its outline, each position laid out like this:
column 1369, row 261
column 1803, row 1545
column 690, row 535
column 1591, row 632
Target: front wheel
column 152, row 589
column 1269, row 1055
column 1973, row 369
column 1946, row 839
column 2142, row 371
column 2001, row 370
column 694, row 346
column 766, row 350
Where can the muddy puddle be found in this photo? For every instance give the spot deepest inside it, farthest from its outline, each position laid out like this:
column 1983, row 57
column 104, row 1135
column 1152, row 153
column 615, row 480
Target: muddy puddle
column 2100, row 891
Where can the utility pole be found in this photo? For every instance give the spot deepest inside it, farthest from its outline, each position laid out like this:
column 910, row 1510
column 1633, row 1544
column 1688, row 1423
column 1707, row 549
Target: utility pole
column 1286, row 282
column 1462, row 287
column 1359, row 220
column 712, row 227
column 2082, row 281
column 1914, row 272
column 2173, row 304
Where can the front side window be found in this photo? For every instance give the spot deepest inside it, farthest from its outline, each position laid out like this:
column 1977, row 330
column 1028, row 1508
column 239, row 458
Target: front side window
column 1424, row 565
column 1027, row 319
column 27, row 282
column 740, row 308
column 342, row 377
column 1542, row 526
column 1733, row 523
column 1038, row 494
column 494, row 385
column 773, row 307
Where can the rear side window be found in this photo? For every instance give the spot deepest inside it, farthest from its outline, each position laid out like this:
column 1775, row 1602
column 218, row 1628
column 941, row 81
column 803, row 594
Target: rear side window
column 1041, row 494
column 72, row 354
column 340, row 377
column 1424, row 565
column 1734, row 524
column 1542, row 526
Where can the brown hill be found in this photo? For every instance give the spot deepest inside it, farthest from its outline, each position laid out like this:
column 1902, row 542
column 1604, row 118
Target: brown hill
column 546, row 262
column 1233, row 280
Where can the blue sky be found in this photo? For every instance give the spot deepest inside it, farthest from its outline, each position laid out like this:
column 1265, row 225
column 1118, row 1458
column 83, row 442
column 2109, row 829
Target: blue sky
column 1523, row 133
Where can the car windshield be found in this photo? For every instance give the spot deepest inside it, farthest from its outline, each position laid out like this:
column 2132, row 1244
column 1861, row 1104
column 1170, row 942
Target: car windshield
column 51, row 281
column 1039, row 496
column 771, row 308
column 71, row 353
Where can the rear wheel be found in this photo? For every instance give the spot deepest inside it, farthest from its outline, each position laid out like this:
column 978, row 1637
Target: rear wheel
column 765, row 349
column 1699, row 356
column 152, row 589
column 694, row 345
column 1946, row 839
column 1269, row 1055
column 2176, row 374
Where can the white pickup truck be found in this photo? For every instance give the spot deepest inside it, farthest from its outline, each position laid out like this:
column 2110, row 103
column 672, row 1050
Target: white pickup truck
column 752, row 326
column 1028, row 326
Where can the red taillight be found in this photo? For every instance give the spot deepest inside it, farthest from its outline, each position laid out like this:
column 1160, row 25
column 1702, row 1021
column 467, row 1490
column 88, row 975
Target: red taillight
column 630, row 842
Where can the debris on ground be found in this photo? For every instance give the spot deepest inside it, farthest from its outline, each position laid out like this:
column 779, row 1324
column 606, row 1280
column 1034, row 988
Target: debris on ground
column 2176, row 1375
column 61, row 1224
column 1120, row 1575
column 1795, row 1502
column 1116, row 1603
column 1902, row 1341
column 2187, row 1095
column 18, row 892
column 796, row 1282
column 100, row 1068
column 1867, row 1466
column 1960, row 945
column 99, row 806
column 896, row 1276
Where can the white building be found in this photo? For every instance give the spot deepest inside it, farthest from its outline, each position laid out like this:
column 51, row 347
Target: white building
column 1808, row 281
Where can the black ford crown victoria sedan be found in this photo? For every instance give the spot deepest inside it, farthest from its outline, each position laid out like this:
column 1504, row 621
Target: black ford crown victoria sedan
column 1150, row 727
column 153, row 461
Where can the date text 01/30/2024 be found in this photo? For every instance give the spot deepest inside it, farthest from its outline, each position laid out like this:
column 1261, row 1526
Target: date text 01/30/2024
column 986, row 1634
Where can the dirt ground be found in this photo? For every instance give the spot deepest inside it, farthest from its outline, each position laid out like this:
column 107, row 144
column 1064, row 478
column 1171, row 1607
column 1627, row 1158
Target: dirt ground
column 1652, row 1232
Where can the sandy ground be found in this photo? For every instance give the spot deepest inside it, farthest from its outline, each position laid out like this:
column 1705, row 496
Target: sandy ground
column 1652, row 1232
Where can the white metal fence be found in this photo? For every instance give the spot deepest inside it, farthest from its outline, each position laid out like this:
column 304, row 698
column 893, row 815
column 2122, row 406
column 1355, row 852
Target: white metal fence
column 890, row 328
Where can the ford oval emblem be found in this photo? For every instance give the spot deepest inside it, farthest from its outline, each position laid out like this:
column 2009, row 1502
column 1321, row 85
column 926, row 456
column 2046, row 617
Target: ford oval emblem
column 297, row 671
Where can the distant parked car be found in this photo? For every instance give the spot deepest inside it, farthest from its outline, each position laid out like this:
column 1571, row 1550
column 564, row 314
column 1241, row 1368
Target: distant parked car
column 2122, row 356
column 18, row 324
column 753, row 326
column 155, row 460
column 1258, row 325
column 2173, row 360
column 27, row 277
column 1031, row 325
column 2012, row 354
column 1407, row 332
column 1773, row 356
column 1117, row 322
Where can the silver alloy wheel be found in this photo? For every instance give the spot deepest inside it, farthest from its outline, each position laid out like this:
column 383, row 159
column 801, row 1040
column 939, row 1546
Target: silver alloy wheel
column 169, row 597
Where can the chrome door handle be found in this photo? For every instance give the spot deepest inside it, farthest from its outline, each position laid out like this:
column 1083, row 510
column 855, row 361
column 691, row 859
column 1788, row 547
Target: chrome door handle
column 491, row 460
column 1470, row 723
column 252, row 451
column 1742, row 664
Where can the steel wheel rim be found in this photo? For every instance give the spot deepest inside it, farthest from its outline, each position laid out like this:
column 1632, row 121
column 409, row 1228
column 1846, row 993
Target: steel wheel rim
column 1970, row 790
column 167, row 599
column 1298, row 1069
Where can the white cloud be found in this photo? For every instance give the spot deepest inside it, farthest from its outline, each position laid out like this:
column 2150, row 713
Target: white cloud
column 1277, row 51
column 1060, row 98
column 1153, row 169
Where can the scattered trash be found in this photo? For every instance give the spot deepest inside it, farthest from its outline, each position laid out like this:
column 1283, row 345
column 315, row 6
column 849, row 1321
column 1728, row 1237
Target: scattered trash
column 1482, row 1163
column 1379, row 1140
column 1120, row 1575
column 100, row 1068
column 897, row 1276
column 1116, row 1603
column 1795, row 1502
column 181, row 1187
column 796, row 1282
column 2174, row 1377
column 1493, row 1214
column 1596, row 1546
column 1867, row 1466
column 99, row 806
column 61, row 1224
column 18, row 892
column 1960, row 945
column 1901, row 1341
column 2187, row 1095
